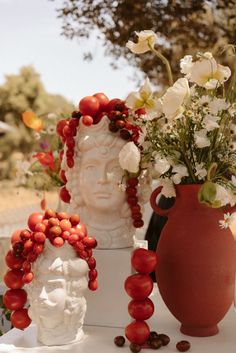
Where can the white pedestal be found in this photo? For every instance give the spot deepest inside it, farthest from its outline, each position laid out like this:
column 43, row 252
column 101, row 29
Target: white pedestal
column 108, row 306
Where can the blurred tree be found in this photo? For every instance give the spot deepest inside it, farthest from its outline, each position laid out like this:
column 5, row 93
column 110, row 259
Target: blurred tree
column 20, row 93
column 183, row 27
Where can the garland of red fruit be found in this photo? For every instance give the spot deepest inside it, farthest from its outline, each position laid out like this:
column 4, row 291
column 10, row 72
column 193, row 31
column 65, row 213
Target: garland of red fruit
column 139, row 286
column 91, row 110
column 28, row 244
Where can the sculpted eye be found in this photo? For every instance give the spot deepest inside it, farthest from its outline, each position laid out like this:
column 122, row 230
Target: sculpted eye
column 90, row 167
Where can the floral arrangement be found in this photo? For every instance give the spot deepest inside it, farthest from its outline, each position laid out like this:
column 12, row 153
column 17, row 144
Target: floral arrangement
column 40, row 170
column 186, row 135
column 28, row 245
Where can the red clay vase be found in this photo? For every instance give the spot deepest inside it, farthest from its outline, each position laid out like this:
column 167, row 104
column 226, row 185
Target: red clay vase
column 197, row 262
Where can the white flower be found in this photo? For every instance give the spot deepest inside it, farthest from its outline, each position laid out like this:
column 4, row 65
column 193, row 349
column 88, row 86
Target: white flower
column 186, row 64
column 225, row 196
column 180, row 172
column 36, row 135
column 204, row 100
column 218, row 104
column 168, row 188
column 232, row 109
column 228, row 219
column 200, row 171
column 129, row 157
column 233, row 180
column 22, row 170
column 146, row 39
column 205, row 72
column 52, row 116
column 201, row 138
column 210, row 122
column 144, row 98
column 174, row 99
column 51, row 129
column 161, row 164
column 207, row 55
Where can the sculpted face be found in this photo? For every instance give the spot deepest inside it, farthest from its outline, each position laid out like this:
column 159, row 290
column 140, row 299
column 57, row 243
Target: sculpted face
column 56, row 295
column 49, row 298
column 100, row 175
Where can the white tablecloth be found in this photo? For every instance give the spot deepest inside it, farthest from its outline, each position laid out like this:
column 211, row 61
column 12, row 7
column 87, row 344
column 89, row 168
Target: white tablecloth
column 100, row 339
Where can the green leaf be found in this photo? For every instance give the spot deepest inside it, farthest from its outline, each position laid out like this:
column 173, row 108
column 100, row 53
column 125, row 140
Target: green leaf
column 207, row 195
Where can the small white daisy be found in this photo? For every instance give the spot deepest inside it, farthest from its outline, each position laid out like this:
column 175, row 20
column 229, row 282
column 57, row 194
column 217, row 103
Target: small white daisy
column 228, row 219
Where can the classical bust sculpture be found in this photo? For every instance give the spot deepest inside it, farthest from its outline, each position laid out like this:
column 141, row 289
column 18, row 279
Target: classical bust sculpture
column 56, row 295
column 96, row 188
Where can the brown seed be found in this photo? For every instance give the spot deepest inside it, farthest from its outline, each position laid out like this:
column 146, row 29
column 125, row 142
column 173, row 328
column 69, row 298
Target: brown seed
column 183, row 346
column 125, row 134
column 119, row 341
column 164, row 339
column 153, row 334
column 113, row 127
column 156, row 343
column 135, row 348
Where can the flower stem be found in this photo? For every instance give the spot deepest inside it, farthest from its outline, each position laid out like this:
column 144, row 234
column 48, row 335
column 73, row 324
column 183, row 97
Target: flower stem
column 165, row 62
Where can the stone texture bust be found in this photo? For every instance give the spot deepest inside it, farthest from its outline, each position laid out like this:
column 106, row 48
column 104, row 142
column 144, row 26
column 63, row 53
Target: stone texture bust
column 94, row 184
column 56, row 295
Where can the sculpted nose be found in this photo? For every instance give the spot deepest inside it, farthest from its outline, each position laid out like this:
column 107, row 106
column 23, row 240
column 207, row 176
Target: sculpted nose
column 103, row 177
column 43, row 294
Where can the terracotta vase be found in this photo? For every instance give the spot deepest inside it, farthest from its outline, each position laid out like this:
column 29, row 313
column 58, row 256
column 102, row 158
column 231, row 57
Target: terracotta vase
column 196, row 271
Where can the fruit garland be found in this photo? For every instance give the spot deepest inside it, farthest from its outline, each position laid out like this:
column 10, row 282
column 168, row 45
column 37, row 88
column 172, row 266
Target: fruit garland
column 139, row 286
column 28, row 244
column 91, row 110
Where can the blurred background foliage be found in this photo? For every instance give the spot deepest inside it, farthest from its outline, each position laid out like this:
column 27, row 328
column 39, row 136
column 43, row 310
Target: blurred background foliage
column 183, row 27
column 19, row 93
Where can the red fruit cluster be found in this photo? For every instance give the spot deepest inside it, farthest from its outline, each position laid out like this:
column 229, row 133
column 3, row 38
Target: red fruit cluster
column 132, row 199
column 139, row 286
column 28, row 244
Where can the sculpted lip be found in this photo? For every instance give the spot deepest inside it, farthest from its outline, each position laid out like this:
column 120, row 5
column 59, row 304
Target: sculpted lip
column 104, row 195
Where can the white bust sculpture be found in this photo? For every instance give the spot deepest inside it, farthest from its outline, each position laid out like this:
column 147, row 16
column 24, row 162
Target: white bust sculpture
column 94, row 186
column 56, row 295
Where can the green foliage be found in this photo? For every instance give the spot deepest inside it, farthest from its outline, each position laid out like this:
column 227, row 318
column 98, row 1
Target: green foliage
column 4, row 314
column 20, row 93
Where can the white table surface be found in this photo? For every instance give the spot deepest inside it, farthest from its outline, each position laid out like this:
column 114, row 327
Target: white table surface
column 100, row 339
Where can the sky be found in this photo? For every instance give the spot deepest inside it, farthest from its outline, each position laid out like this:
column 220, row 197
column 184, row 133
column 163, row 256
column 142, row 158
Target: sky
column 30, row 35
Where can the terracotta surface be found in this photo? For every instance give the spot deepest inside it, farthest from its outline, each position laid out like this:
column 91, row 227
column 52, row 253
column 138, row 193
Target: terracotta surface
column 196, row 270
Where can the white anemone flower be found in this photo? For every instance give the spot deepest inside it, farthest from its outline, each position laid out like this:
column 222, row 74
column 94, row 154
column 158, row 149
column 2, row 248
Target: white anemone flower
column 161, row 165
column 146, row 39
column 201, row 172
column 225, row 196
column 144, row 98
column 180, row 172
column 174, row 99
column 205, row 72
column 129, row 157
column 218, row 104
column 168, row 188
column 228, row 219
column 201, row 138
column 233, row 180
column 186, row 64
column 210, row 122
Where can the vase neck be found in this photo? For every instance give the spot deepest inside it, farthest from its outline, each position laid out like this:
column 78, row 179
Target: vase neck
column 188, row 194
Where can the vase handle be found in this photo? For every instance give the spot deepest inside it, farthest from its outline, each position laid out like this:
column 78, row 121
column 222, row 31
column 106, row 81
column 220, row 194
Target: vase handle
column 228, row 208
column 154, row 205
